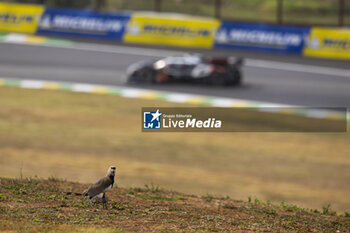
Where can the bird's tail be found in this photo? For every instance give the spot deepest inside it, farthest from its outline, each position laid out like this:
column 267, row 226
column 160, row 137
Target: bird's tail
column 86, row 194
column 74, row 193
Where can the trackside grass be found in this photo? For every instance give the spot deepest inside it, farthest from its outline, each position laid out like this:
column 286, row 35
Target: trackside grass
column 77, row 136
column 53, row 205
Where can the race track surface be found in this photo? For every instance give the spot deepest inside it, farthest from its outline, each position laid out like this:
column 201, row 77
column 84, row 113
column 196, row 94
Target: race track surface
column 284, row 81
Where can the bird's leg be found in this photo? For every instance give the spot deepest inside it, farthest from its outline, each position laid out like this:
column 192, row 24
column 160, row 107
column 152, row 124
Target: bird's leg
column 104, row 201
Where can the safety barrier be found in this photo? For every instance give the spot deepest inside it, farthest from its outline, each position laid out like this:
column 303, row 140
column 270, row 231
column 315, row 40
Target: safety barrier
column 175, row 30
column 262, row 37
column 89, row 24
column 328, row 43
column 21, row 18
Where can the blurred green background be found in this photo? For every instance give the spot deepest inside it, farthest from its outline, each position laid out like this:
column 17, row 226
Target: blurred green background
column 300, row 12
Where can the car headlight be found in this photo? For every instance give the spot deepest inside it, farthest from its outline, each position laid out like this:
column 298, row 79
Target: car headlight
column 159, row 65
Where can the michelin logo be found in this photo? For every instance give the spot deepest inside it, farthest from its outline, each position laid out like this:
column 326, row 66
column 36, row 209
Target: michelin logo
column 172, row 30
column 313, row 43
column 81, row 23
column 167, row 30
column 152, row 120
column 16, row 18
column 133, row 29
column 258, row 37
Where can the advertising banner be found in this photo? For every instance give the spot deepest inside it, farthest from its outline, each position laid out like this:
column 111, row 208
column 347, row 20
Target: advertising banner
column 263, row 37
column 174, row 30
column 328, row 43
column 83, row 24
column 22, row 18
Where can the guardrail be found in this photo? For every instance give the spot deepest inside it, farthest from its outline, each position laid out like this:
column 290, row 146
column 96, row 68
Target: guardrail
column 261, row 37
column 88, row 24
column 328, row 43
column 171, row 29
column 23, row 18
column 175, row 30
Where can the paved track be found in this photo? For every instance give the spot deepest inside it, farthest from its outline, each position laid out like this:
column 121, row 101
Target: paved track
column 285, row 82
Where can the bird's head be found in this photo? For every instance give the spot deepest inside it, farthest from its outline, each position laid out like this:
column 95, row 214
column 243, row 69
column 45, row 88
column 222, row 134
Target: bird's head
column 111, row 171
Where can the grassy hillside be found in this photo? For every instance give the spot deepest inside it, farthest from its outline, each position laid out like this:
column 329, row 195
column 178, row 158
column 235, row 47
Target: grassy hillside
column 294, row 11
column 29, row 205
column 77, row 136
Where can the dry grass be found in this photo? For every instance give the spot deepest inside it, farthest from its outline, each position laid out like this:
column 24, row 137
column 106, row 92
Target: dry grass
column 77, row 136
column 54, row 205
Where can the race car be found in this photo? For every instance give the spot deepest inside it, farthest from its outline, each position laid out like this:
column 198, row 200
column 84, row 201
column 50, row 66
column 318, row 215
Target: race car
column 220, row 71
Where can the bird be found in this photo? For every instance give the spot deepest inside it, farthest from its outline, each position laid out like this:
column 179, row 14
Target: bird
column 100, row 188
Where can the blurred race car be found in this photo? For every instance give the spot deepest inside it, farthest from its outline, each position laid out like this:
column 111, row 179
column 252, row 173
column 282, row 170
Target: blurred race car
column 187, row 68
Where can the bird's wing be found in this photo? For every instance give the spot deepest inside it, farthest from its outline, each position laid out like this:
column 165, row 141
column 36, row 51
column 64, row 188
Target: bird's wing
column 99, row 187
